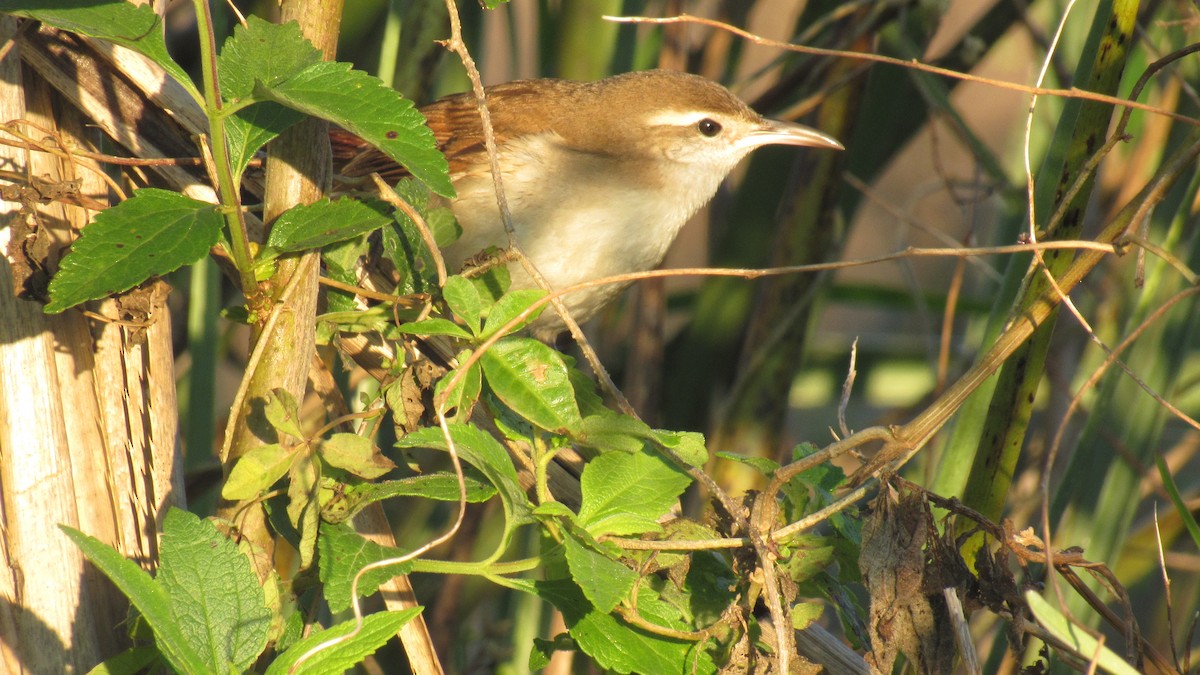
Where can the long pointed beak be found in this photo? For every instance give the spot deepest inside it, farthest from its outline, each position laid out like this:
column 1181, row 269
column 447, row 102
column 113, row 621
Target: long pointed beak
column 775, row 132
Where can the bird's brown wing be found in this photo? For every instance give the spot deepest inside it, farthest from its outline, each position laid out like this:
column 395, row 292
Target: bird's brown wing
column 456, row 128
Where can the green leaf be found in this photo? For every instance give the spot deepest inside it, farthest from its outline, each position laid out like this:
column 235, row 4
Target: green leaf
column 763, row 465
column 267, row 52
column 509, row 306
column 532, row 380
column 626, row 494
column 148, row 597
column 554, row 510
column 604, row 580
column 304, row 508
column 461, row 399
column 376, row 630
column 343, row 553
column 149, row 234
column 463, row 299
column 807, row 555
column 262, row 52
column 283, row 413
column 493, row 282
column 1077, row 636
column 435, row 326
column 353, row 453
column 249, row 129
column 347, row 500
column 369, row 109
column 687, row 445
column 484, row 453
column 806, row 613
column 609, row 430
column 614, row 644
column 137, row 27
column 1181, row 507
column 338, row 302
column 256, row 471
column 215, row 596
column 325, row 222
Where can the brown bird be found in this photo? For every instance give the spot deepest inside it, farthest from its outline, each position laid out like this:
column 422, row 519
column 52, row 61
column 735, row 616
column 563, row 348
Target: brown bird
column 599, row 176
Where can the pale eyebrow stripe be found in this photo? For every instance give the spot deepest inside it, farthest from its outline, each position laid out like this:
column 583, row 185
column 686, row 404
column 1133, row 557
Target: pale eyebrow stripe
column 681, row 118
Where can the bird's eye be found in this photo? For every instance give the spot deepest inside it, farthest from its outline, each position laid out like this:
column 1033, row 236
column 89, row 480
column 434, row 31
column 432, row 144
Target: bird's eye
column 708, row 127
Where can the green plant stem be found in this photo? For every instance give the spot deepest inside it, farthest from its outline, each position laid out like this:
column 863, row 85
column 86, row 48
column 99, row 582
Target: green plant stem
column 231, row 206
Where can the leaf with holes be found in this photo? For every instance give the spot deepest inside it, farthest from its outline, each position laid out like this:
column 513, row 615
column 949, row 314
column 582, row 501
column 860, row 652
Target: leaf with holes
column 150, row 234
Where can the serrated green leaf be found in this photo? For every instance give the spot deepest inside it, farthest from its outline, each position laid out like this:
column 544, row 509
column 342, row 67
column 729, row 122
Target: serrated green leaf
column 151, row 233
column 215, row 595
column 484, row 453
column 282, row 411
column 148, row 597
column 435, row 326
column 343, row 553
column 267, row 52
column 509, row 306
column 261, row 51
column 137, row 27
column 353, row 453
column 366, row 107
column 614, row 644
column 325, row 222
column 376, row 630
column 532, row 380
column 463, row 299
column 256, row 471
column 602, row 578
column 626, row 494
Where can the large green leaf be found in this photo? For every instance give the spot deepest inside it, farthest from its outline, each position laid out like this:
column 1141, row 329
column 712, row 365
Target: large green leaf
column 216, row 598
column 366, row 107
column 601, row 577
column 150, row 234
column 343, row 552
column 616, row 645
column 262, row 52
column 149, row 598
column 627, row 493
column 532, row 380
column 325, row 222
column 134, row 26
